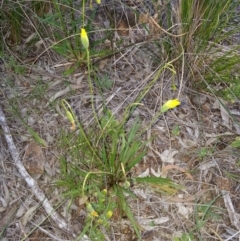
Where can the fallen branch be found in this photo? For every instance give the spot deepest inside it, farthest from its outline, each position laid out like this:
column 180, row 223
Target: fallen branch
column 39, row 194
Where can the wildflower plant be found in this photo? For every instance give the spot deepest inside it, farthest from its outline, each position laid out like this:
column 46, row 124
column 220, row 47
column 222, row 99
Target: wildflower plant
column 102, row 158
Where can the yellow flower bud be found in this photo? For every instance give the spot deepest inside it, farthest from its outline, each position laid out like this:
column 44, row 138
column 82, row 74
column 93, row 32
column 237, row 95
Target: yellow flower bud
column 84, row 38
column 109, row 214
column 170, row 104
column 89, row 207
column 71, row 119
column 98, row 1
column 70, row 116
column 126, row 184
column 104, row 191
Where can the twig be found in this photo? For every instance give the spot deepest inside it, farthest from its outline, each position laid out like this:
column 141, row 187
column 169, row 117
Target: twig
column 234, row 217
column 39, row 194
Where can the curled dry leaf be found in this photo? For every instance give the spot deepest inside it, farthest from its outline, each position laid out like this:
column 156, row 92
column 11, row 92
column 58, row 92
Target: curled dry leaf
column 207, row 165
column 145, row 173
column 165, row 170
column 147, row 222
column 28, row 215
column 167, row 156
column 156, row 173
column 24, row 206
column 65, row 91
column 187, row 143
column 184, row 210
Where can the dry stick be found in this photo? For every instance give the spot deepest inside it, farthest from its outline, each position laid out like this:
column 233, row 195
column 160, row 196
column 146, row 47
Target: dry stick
column 233, row 215
column 39, row 194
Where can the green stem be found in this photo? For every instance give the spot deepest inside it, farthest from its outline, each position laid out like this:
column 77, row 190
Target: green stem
column 83, row 11
column 86, row 177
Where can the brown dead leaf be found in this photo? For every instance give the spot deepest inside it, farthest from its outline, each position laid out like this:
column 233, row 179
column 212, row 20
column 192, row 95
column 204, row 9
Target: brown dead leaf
column 123, row 27
column 222, row 183
column 165, row 170
column 189, row 199
column 34, row 159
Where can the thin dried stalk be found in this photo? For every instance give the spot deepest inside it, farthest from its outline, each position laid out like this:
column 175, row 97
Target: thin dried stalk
column 233, row 215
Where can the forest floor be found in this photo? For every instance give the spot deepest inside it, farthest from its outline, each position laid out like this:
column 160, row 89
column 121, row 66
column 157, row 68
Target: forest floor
column 191, row 145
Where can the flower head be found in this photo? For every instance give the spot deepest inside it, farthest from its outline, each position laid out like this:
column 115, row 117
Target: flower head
column 91, row 211
column 84, row 38
column 94, row 214
column 170, row 104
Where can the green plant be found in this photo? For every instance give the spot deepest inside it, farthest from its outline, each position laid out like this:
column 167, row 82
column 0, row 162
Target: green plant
column 104, row 83
column 236, row 143
column 15, row 67
column 38, row 90
column 185, row 237
column 63, row 23
column 203, row 31
column 102, row 157
column 202, row 214
column 176, row 130
column 231, row 175
column 203, row 152
column 99, row 212
column 14, row 109
column 11, row 15
column 57, row 20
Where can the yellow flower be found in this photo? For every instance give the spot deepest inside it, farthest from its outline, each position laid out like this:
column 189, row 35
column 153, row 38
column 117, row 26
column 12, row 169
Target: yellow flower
column 84, row 38
column 170, row 104
column 91, row 210
column 94, row 214
column 109, row 214
column 98, row 1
